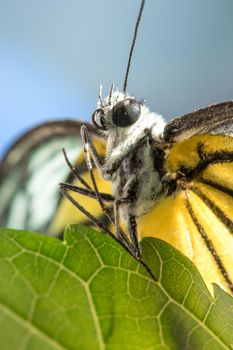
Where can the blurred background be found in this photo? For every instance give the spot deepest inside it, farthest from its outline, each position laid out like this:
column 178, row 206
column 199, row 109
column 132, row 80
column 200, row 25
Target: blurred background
column 54, row 54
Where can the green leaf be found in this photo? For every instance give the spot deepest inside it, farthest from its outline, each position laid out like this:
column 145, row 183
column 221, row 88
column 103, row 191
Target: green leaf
column 89, row 293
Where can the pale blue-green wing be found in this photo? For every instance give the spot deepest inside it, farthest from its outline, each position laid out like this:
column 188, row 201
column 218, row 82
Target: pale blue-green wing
column 31, row 171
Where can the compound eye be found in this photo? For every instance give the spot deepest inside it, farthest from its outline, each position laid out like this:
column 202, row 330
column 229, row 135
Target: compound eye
column 98, row 119
column 126, row 112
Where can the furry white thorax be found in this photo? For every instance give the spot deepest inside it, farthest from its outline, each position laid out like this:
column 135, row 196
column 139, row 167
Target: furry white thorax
column 121, row 141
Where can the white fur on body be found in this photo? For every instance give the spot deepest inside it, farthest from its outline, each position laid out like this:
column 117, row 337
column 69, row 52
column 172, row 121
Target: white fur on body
column 121, row 143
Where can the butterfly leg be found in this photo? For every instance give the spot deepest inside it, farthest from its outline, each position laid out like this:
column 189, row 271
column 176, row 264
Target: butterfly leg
column 74, row 170
column 133, row 246
column 122, row 238
column 87, row 192
column 131, row 227
column 90, row 166
column 64, row 188
column 88, row 144
column 93, row 194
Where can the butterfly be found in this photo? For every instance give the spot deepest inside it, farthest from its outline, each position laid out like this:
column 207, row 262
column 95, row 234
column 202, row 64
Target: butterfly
column 137, row 176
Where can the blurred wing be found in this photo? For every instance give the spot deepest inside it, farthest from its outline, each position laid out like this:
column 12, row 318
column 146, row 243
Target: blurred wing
column 198, row 217
column 215, row 119
column 31, row 171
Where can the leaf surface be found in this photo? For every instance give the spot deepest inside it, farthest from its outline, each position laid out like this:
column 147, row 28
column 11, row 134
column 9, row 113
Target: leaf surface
column 89, row 293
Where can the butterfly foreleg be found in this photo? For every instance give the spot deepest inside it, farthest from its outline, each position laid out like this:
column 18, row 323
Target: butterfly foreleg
column 64, row 188
column 74, row 170
column 88, row 192
column 89, row 146
column 131, row 226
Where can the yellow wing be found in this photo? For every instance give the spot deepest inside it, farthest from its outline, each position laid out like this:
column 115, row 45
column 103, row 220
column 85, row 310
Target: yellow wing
column 198, row 218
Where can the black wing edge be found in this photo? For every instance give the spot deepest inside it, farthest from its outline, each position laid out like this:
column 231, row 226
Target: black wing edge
column 39, row 134
column 204, row 120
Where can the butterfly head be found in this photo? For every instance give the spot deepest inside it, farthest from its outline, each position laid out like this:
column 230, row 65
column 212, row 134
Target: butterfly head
column 117, row 110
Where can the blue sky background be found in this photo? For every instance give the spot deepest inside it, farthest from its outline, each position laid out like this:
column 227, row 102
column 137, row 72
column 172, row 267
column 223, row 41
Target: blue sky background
column 54, row 54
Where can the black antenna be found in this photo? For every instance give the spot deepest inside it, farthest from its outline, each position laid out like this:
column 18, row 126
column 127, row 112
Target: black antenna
column 132, row 45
